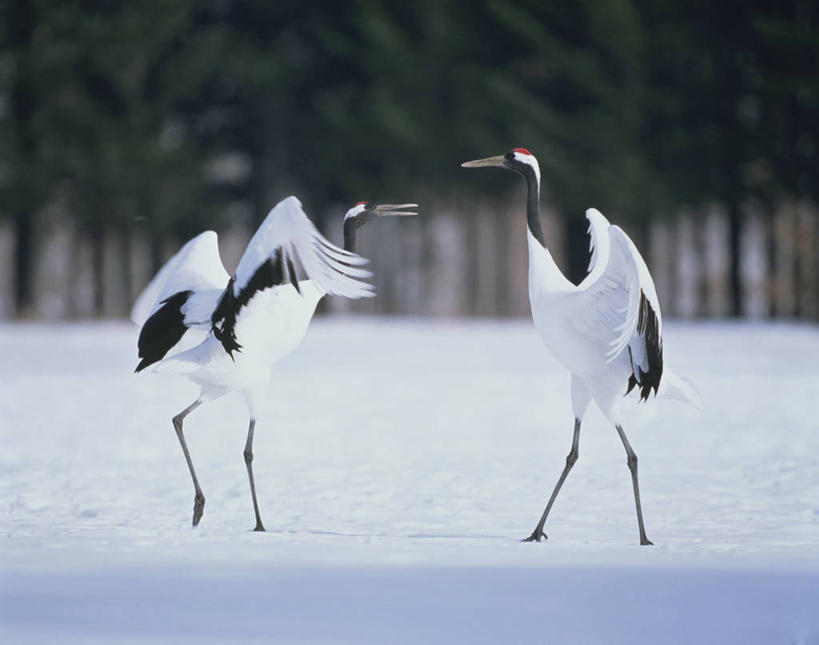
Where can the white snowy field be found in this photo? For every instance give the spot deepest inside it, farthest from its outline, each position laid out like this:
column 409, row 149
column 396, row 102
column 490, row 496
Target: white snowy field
column 400, row 464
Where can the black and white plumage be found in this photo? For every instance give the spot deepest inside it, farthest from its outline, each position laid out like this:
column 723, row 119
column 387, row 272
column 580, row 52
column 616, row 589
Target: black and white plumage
column 225, row 333
column 607, row 331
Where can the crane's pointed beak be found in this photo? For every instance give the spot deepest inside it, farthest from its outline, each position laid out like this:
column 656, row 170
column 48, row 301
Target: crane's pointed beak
column 489, row 161
column 396, row 210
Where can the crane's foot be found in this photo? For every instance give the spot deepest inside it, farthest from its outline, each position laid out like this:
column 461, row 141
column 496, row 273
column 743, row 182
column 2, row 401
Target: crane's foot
column 198, row 508
column 645, row 541
column 536, row 536
column 259, row 526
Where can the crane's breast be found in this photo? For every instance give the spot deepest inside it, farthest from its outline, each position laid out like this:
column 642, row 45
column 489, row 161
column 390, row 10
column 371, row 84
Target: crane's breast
column 274, row 322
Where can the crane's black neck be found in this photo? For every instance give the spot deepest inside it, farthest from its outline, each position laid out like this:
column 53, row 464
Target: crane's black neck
column 533, row 204
column 351, row 226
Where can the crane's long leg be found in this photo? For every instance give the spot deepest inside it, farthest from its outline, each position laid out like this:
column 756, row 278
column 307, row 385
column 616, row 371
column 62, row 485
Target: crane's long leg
column 537, row 534
column 249, row 464
column 199, row 498
column 632, row 466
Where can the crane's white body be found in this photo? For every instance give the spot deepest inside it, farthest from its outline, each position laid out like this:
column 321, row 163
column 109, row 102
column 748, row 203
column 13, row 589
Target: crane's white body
column 273, row 321
column 270, row 327
column 607, row 331
column 591, row 328
column 226, row 333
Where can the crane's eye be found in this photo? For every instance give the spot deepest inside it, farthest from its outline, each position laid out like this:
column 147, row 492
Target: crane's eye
column 509, row 156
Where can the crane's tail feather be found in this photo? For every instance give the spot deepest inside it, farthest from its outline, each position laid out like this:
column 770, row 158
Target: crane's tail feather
column 679, row 388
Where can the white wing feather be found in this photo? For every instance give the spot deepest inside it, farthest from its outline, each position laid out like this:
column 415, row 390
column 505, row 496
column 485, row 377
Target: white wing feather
column 608, row 306
column 631, row 285
column 646, row 281
column 598, row 244
column 287, row 227
column 195, row 267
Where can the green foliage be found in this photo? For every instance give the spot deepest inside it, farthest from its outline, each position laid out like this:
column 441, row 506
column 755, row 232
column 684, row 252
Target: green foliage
column 104, row 115
column 636, row 106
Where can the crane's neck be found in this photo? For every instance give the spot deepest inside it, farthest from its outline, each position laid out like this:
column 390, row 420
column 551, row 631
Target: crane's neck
column 544, row 275
column 351, row 226
column 533, row 205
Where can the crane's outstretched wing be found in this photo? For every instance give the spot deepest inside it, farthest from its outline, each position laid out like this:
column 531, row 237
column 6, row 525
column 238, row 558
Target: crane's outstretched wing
column 181, row 296
column 287, row 247
column 646, row 343
column 599, row 245
column 617, row 305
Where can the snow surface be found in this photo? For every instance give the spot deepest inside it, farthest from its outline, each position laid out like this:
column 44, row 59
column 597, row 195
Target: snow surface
column 401, row 464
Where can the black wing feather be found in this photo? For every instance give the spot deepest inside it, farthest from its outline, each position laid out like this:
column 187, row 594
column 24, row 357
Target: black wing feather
column 648, row 326
column 162, row 330
column 278, row 269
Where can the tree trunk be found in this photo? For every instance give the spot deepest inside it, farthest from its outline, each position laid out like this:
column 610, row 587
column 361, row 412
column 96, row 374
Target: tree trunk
column 23, row 108
column 770, row 249
column 734, row 251
column 155, row 241
column 577, row 245
column 23, row 263
column 126, row 266
column 98, row 264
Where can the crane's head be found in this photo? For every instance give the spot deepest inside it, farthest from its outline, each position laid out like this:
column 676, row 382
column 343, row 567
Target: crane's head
column 519, row 160
column 364, row 212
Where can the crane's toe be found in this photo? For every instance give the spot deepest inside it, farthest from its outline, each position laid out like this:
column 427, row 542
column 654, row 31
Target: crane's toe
column 198, row 508
column 645, row 541
column 536, row 536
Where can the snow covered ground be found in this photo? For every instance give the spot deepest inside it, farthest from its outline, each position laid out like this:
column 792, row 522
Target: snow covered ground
column 406, row 460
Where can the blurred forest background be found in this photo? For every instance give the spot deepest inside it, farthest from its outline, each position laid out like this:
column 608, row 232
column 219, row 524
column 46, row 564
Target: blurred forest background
column 127, row 127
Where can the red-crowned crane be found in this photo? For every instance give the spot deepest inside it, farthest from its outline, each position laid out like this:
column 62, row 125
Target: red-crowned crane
column 607, row 331
column 241, row 325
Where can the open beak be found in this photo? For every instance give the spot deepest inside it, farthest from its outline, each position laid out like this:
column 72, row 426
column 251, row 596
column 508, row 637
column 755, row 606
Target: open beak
column 489, row 161
column 396, row 209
